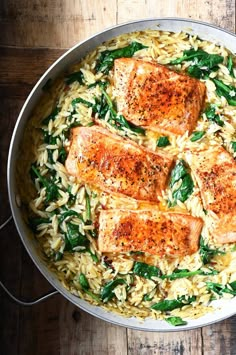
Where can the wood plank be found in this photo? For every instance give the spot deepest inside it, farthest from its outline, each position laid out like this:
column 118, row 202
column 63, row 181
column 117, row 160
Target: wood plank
column 27, row 66
column 10, row 244
column 220, row 13
column 184, row 343
column 40, row 321
column 55, row 24
column 91, row 336
column 220, row 338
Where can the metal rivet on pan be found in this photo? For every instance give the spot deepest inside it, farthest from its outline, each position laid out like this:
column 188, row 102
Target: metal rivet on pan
column 18, row 201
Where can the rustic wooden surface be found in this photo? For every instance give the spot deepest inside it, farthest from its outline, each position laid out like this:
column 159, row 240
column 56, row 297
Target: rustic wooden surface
column 33, row 33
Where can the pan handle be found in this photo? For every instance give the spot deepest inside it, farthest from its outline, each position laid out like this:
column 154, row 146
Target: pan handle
column 17, row 300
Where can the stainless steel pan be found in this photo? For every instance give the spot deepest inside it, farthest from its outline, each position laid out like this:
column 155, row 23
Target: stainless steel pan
column 204, row 31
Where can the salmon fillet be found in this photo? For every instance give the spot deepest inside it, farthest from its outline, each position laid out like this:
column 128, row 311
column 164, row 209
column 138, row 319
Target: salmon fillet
column 150, row 231
column 117, row 165
column 152, row 96
column 215, row 173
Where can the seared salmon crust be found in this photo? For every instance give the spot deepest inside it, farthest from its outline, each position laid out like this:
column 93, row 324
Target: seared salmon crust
column 215, row 172
column 150, row 231
column 117, row 165
column 152, row 96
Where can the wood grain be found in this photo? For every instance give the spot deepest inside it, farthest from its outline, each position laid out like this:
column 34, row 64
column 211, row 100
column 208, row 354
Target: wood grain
column 92, row 335
column 34, row 33
column 189, row 342
column 26, row 66
column 54, row 24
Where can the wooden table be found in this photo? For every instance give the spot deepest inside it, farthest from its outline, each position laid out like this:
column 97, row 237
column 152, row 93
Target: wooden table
column 33, row 33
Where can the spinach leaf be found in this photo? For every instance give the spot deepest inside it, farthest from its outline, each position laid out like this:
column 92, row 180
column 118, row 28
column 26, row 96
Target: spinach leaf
column 170, row 305
column 197, row 135
column 211, row 115
column 82, row 101
column 83, row 281
column 88, row 206
column 182, row 273
column 163, row 141
column 74, row 239
column 230, row 66
column 35, row 222
column 185, row 189
column 188, row 55
column 58, row 256
column 175, row 321
column 145, row 270
column 72, row 197
column 148, row 297
column 207, row 253
column 178, row 172
column 85, row 287
column 52, row 192
column 69, row 213
column 233, row 248
column 52, row 116
column 233, row 145
column 102, row 83
column 220, row 289
column 76, row 76
column 228, row 91
column 48, row 138
column 106, row 59
column 93, row 256
column 102, row 106
column 62, row 155
column 187, row 185
column 203, row 62
column 107, row 291
column 195, row 71
column 120, row 121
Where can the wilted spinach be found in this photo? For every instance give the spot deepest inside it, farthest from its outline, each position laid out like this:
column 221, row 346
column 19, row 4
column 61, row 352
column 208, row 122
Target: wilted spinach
column 203, row 63
column 233, row 145
column 102, row 106
column 220, row 289
column 85, row 287
column 170, row 305
column 76, row 76
column 182, row 273
column 106, row 60
column 163, row 141
column 145, row 270
column 197, row 135
column 74, row 239
column 228, row 91
column 175, row 321
column 230, row 66
column 211, row 115
column 107, row 292
column 207, row 253
column 52, row 192
column 186, row 188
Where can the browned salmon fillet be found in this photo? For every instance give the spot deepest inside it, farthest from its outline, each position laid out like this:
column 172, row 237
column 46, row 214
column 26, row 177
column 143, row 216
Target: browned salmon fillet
column 117, row 165
column 215, row 172
column 150, row 231
column 155, row 97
